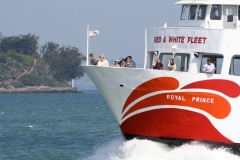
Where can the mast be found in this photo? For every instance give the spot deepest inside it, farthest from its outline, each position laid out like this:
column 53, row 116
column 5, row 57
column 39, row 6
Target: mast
column 146, row 53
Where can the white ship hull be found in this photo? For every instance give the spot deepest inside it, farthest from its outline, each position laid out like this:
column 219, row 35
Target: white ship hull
column 171, row 105
column 186, row 104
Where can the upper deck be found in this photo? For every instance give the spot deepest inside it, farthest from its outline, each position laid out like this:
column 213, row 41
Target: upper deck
column 206, row 29
column 224, row 2
column 214, row 14
column 187, row 39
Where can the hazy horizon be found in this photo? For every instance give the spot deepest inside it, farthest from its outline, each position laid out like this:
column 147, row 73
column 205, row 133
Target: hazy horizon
column 121, row 24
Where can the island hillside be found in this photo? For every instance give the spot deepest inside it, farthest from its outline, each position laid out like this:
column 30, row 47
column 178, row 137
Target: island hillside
column 27, row 67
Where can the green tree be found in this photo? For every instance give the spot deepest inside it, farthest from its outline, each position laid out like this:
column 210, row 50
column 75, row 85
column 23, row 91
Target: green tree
column 65, row 62
column 49, row 50
column 24, row 44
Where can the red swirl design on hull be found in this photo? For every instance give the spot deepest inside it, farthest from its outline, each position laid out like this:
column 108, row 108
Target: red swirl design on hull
column 215, row 105
column 153, row 85
column 229, row 88
column 172, row 123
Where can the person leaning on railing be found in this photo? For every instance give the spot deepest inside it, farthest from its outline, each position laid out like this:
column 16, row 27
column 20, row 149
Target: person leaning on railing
column 132, row 62
column 129, row 62
column 122, row 62
column 116, row 64
column 102, row 61
column 93, row 61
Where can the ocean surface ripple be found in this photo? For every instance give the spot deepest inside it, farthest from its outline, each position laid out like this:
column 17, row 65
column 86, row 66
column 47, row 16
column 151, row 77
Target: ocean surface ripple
column 79, row 126
column 148, row 150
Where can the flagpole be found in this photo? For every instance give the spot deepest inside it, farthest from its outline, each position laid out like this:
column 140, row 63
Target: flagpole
column 87, row 43
column 146, row 53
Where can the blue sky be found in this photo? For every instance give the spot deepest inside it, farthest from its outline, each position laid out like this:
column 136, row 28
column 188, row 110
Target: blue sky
column 121, row 24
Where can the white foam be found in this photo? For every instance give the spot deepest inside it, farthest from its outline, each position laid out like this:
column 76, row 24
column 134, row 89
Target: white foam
column 148, row 150
column 198, row 151
column 140, row 150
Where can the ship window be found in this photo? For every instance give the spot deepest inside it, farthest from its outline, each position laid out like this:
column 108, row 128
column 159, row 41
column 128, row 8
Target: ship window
column 182, row 61
column 164, row 57
column 185, row 11
column 216, row 12
column 239, row 13
column 202, row 12
column 229, row 14
column 235, row 65
column 192, row 12
column 218, row 64
column 216, row 60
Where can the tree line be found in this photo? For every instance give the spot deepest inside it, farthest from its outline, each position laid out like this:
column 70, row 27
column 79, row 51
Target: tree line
column 64, row 62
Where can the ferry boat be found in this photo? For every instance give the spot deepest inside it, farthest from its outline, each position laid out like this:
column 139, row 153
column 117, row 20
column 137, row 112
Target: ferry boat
column 174, row 107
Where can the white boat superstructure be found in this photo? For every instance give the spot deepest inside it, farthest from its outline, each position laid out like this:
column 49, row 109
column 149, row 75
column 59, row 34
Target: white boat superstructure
column 186, row 104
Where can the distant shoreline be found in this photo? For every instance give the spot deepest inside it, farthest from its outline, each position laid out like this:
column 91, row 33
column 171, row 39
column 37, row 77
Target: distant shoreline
column 40, row 89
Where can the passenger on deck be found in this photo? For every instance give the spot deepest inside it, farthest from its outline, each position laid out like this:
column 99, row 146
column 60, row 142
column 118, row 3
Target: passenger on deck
column 102, row 61
column 128, row 63
column 158, row 65
column 122, row 62
column 209, row 68
column 132, row 62
column 116, row 64
column 171, row 65
column 93, row 60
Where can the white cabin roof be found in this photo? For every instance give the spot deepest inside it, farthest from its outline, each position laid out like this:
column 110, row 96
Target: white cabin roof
column 224, row 2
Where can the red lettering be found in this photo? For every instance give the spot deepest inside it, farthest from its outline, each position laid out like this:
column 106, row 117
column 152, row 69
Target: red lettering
column 204, row 39
column 182, row 39
column 157, row 39
column 200, row 40
column 195, row 40
column 170, row 40
column 189, row 40
column 175, row 39
column 178, row 39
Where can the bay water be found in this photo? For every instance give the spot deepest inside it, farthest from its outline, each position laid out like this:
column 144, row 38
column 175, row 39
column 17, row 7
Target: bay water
column 79, row 126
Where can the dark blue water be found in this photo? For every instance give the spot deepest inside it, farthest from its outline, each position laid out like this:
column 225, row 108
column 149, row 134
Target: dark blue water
column 78, row 126
column 53, row 126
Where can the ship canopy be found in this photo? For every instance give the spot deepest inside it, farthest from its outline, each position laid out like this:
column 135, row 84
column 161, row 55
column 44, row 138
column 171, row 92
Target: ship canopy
column 211, row 14
column 223, row 2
